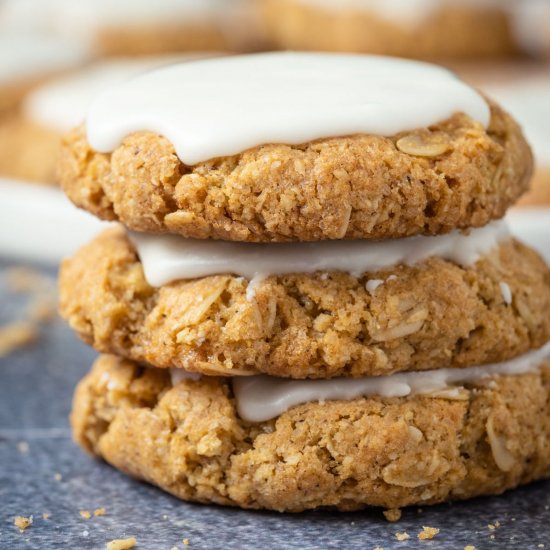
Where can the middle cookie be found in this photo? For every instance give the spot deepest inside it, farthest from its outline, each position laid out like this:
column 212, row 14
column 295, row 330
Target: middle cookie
column 428, row 303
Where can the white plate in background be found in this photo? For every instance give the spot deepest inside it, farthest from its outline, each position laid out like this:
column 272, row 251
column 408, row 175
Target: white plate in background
column 532, row 226
column 39, row 223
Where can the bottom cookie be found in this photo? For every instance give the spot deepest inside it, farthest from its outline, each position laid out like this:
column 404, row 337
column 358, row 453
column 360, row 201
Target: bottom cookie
column 391, row 452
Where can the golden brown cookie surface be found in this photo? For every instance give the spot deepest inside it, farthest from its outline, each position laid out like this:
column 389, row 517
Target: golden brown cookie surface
column 432, row 315
column 188, row 440
column 454, row 175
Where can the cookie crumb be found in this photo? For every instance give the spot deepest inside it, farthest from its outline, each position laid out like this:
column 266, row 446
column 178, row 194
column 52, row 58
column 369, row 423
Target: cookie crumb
column 46, row 515
column 85, row 514
column 540, row 545
column 378, row 548
column 186, row 542
column 492, row 537
column 122, row 544
column 16, row 335
column 402, row 536
column 469, row 547
column 23, row 447
column 21, row 522
column 100, row 512
column 428, row 533
column 394, row 514
column 57, row 476
column 493, row 526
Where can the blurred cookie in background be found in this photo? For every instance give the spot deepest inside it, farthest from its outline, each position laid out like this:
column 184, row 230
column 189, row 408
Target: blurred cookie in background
column 30, row 137
column 424, row 29
column 522, row 88
column 27, row 59
column 135, row 27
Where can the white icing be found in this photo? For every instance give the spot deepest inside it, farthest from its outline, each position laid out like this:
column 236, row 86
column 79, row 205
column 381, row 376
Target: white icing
column 224, row 106
column 62, row 103
column 28, row 56
column 506, row 292
column 261, row 398
column 167, row 258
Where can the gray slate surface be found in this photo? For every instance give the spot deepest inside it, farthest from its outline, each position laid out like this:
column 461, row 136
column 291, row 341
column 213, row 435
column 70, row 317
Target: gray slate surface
column 36, row 384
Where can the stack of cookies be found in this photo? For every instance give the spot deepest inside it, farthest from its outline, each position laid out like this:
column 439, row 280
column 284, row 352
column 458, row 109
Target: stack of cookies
column 314, row 300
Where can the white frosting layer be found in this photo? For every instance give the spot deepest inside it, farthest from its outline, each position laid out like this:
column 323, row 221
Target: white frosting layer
column 260, row 398
column 224, row 106
column 63, row 103
column 168, row 258
column 27, row 56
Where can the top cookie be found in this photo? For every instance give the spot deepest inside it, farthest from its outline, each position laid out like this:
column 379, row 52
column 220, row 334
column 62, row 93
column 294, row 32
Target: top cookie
column 296, row 147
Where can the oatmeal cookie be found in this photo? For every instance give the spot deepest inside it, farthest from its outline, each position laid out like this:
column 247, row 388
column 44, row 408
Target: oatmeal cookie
column 452, row 31
column 455, row 174
column 189, row 440
column 432, row 315
column 28, row 150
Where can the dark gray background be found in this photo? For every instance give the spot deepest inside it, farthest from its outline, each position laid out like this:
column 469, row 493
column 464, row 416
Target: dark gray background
column 36, row 384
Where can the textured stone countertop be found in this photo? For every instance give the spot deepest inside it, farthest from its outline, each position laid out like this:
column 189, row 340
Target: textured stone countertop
column 42, row 471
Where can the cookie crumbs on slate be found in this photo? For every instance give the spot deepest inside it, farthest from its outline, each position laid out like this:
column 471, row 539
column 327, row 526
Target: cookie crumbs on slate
column 100, row 512
column 122, row 544
column 428, row 533
column 22, row 522
column 85, row 514
column 402, row 536
column 46, row 515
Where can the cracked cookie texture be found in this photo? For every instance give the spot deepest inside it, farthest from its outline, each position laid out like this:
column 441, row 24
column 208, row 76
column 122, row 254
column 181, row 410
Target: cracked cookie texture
column 189, row 440
column 431, row 315
column 455, row 174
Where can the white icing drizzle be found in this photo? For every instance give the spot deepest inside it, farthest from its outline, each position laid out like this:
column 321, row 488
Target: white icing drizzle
column 62, row 104
column 261, row 398
column 28, row 56
column 221, row 107
column 167, row 258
